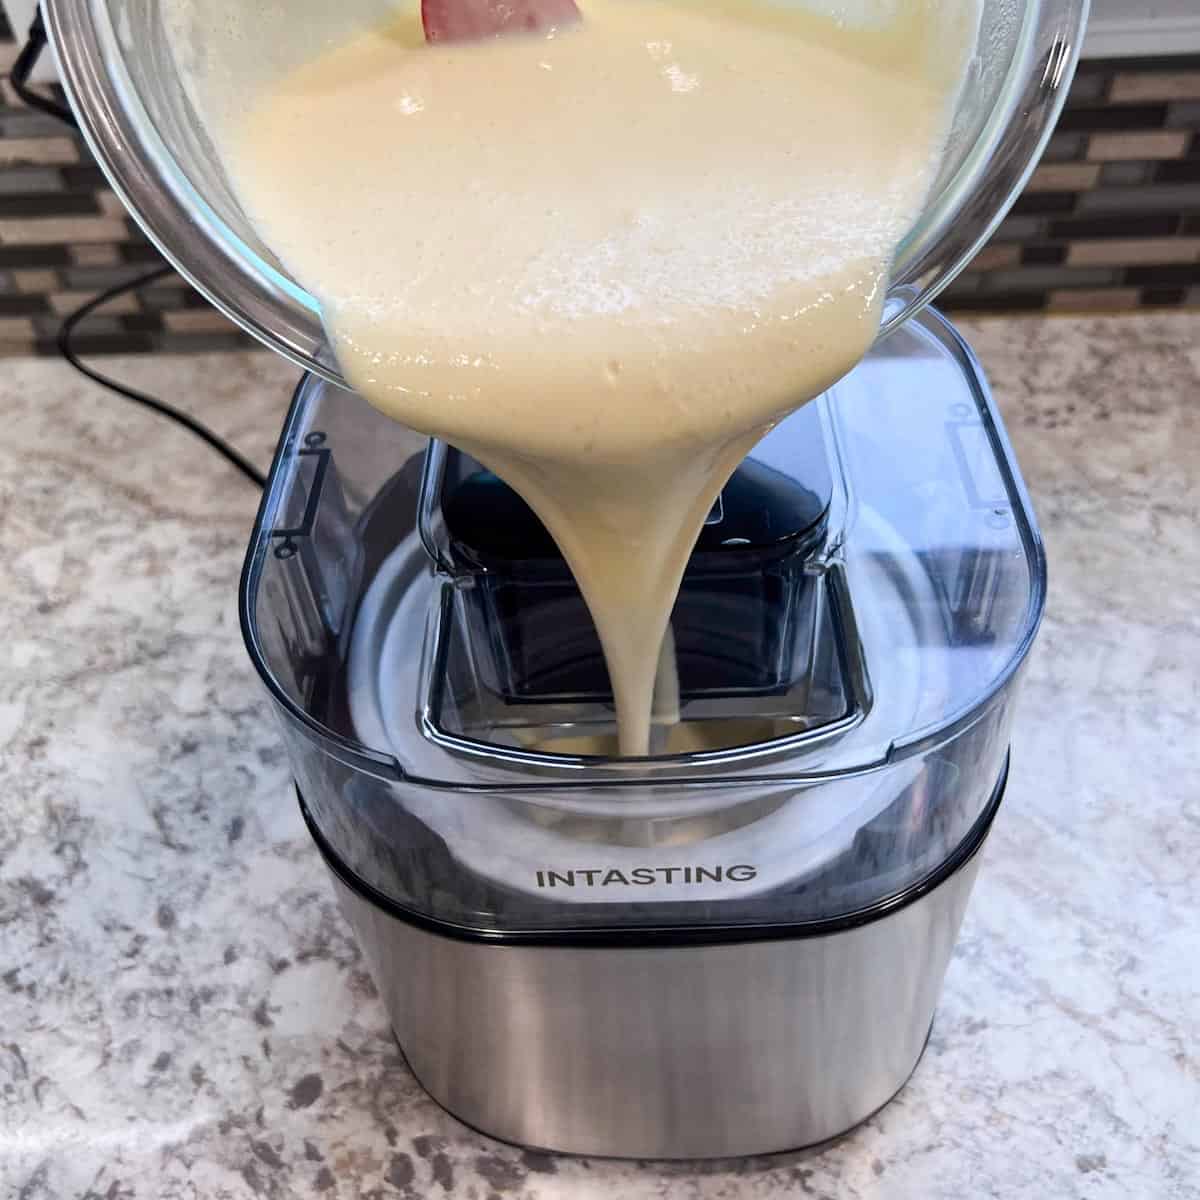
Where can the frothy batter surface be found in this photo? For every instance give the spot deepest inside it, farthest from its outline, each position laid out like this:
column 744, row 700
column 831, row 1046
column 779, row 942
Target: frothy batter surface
column 604, row 261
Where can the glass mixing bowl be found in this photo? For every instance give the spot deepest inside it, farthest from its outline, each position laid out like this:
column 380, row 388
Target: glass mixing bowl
column 119, row 63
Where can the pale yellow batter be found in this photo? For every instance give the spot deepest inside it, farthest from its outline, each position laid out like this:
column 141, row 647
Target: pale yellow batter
column 604, row 262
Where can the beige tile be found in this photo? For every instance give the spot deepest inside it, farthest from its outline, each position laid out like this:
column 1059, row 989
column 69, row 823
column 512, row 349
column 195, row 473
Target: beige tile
column 37, row 150
column 1133, row 252
column 95, row 256
column 991, row 258
column 16, row 329
column 36, row 232
column 1156, row 85
column 110, row 206
column 198, row 320
column 1064, row 177
column 35, row 281
column 8, row 55
column 1094, row 299
column 67, row 302
column 1157, row 143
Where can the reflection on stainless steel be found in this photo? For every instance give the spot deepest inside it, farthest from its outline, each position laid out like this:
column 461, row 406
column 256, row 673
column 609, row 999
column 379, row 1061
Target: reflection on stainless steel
column 661, row 1052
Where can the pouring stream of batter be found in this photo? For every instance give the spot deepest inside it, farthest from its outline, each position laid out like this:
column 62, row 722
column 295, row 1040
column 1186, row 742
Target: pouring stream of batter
column 605, row 259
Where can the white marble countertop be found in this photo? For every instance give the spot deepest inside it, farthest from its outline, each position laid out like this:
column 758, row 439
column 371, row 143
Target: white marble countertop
column 183, row 1013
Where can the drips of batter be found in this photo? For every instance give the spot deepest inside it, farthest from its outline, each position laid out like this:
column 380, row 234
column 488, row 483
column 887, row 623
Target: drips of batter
column 605, row 261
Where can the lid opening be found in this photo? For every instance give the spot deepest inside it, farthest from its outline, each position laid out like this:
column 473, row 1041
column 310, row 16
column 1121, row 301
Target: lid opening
column 758, row 644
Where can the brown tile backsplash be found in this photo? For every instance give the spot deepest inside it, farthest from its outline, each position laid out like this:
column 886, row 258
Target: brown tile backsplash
column 1138, row 147
column 22, row 152
column 1184, row 116
column 1065, row 177
column 1110, row 220
column 1176, row 200
column 1120, row 252
column 1132, row 87
column 16, row 332
column 95, row 256
column 1093, row 299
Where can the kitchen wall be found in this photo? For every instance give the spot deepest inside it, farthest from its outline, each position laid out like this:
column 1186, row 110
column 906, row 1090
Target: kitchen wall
column 64, row 236
column 1128, row 27
column 1111, row 220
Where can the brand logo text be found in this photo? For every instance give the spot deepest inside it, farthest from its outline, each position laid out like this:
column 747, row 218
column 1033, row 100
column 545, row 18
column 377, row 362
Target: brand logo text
column 643, row 876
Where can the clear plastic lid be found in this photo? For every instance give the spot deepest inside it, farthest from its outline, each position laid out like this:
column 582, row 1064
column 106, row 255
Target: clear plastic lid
column 846, row 666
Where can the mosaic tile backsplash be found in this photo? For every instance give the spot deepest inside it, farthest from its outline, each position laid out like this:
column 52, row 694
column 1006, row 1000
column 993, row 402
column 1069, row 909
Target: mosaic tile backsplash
column 1111, row 220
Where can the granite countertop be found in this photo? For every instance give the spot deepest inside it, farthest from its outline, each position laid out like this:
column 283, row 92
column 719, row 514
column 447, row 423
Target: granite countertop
column 184, row 1014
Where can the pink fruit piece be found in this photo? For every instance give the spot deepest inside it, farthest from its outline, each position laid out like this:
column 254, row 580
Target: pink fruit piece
column 472, row 20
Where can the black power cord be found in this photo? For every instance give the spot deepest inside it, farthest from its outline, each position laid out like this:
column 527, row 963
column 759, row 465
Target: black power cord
column 22, row 68
column 19, row 77
column 222, row 447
